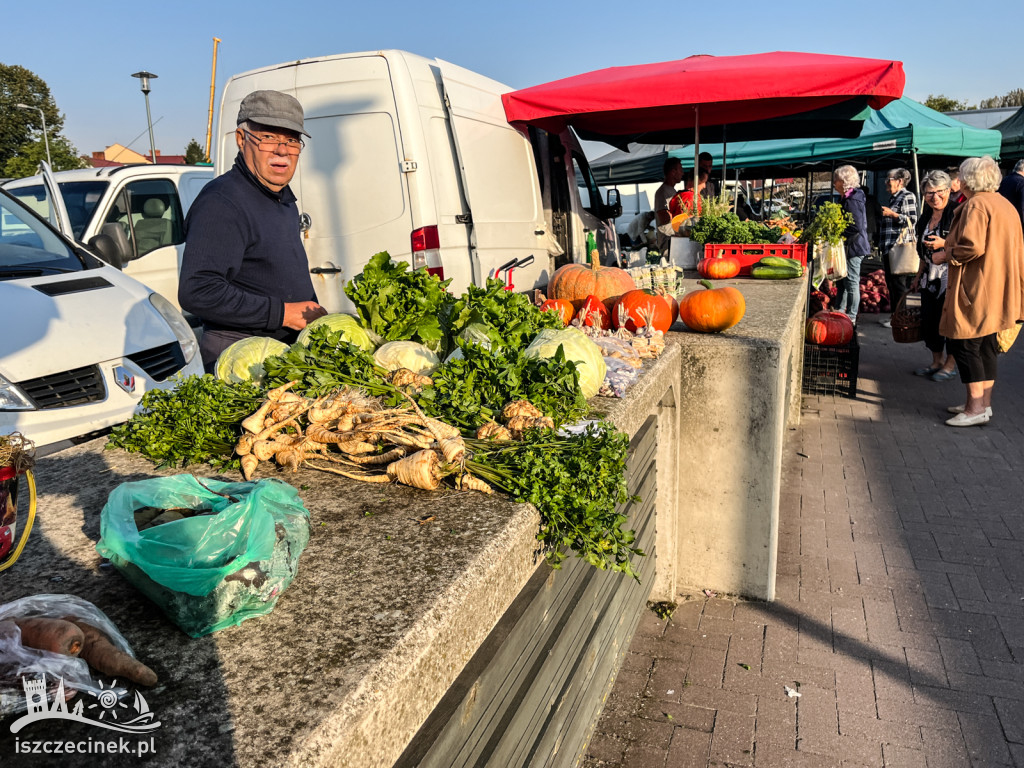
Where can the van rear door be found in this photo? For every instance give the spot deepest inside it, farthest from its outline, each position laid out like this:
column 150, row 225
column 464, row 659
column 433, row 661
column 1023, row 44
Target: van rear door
column 352, row 191
column 499, row 180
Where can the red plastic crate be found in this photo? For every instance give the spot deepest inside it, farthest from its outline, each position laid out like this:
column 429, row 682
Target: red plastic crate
column 749, row 255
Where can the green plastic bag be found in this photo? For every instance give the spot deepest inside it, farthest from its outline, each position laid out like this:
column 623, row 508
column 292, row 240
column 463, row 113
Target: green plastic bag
column 229, row 562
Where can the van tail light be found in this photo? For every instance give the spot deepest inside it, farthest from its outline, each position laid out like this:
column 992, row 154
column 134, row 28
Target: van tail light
column 426, row 251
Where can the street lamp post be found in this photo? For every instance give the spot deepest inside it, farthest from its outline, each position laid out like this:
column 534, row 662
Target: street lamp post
column 46, row 139
column 144, row 78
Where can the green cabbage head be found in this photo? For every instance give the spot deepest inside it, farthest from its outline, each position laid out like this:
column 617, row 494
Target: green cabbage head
column 351, row 330
column 243, row 360
column 406, row 354
column 577, row 347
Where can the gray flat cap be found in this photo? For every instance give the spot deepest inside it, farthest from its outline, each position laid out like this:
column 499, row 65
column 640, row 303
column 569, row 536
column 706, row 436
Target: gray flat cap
column 273, row 109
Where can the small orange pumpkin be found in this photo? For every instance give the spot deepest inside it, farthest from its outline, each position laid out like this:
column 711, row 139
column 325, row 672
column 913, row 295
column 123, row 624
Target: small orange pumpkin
column 575, row 282
column 719, row 267
column 562, row 307
column 594, row 312
column 712, row 310
column 635, row 308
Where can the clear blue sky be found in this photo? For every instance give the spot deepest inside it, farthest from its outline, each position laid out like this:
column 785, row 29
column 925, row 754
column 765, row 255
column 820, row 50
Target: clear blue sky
column 86, row 52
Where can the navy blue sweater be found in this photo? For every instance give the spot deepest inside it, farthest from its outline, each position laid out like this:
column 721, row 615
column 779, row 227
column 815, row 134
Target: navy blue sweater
column 243, row 256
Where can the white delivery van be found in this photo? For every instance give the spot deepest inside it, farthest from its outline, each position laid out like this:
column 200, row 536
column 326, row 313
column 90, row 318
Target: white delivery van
column 83, row 341
column 414, row 156
column 141, row 207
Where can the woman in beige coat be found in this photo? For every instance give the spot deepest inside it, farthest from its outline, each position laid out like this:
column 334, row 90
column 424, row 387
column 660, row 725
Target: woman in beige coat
column 985, row 294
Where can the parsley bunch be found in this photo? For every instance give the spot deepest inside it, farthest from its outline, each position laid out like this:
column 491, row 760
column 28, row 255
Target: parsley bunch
column 829, row 224
column 325, row 363
column 471, row 390
column 199, row 421
column 576, row 483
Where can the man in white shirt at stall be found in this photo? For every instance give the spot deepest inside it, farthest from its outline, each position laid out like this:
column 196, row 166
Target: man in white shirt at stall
column 673, row 174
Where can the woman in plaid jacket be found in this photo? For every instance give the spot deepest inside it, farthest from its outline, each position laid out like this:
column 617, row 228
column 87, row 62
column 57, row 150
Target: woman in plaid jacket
column 901, row 212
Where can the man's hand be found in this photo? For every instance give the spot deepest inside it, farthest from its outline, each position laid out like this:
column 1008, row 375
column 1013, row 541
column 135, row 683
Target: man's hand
column 298, row 314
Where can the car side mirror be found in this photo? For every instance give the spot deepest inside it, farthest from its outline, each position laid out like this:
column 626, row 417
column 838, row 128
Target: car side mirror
column 109, row 247
column 614, row 207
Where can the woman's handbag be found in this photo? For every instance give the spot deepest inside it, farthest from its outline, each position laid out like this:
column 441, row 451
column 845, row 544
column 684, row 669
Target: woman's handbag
column 833, row 260
column 904, row 258
column 906, row 320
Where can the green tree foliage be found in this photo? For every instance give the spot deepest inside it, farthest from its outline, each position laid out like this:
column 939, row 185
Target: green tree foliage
column 20, row 86
column 62, row 154
column 194, row 153
column 21, row 130
column 1014, row 98
column 942, row 103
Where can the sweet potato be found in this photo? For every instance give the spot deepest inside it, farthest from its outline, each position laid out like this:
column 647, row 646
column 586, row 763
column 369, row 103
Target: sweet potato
column 105, row 658
column 53, row 635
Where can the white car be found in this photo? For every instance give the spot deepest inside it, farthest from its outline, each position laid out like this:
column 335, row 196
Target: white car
column 83, row 341
column 141, row 207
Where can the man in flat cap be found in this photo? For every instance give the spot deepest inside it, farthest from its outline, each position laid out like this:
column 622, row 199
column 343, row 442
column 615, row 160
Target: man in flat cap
column 244, row 271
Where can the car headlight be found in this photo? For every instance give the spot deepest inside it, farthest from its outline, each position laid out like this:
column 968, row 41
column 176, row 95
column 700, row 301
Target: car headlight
column 12, row 398
column 179, row 325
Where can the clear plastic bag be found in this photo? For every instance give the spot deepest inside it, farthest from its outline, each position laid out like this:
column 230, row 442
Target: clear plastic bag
column 619, row 349
column 209, row 571
column 618, row 377
column 17, row 660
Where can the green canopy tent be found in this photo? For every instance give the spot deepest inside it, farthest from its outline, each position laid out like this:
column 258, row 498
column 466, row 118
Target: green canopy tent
column 902, row 130
column 1012, row 131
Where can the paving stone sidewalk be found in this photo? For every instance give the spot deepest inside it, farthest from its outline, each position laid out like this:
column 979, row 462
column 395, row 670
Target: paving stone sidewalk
column 899, row 616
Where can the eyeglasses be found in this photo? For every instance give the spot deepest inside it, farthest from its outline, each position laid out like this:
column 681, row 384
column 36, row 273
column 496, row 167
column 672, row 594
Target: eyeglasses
column 269, row 143
column 936, row 192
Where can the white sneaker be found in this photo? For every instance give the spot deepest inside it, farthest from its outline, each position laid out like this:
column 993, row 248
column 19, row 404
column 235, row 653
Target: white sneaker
column 962, row 408
column 887, row 323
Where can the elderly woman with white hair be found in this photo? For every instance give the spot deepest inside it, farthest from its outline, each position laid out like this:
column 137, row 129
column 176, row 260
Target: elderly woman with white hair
column 985, row 292
column 899, row 215
column 846, row 181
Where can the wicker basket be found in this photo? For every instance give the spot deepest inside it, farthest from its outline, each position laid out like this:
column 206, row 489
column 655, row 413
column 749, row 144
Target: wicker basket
column 906, row 321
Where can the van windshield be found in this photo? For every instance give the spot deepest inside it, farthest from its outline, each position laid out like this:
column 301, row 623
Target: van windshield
column 29, row 247
column 80, row 200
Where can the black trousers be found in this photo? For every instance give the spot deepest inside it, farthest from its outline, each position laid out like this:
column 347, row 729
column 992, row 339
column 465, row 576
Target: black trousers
column 897, row 285
column 975, row 358
column 931, row 313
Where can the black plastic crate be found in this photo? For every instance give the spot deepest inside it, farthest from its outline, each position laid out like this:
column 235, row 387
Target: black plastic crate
column 831, row 370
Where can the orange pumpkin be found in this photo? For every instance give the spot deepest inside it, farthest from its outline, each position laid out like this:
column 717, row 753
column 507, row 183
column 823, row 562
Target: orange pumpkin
column 719, row 267
column 575, row 282
column 830, row 328
column 636, row 308
column 594, row 312
column 673, row 304
column 562, row 307
column 712, row 310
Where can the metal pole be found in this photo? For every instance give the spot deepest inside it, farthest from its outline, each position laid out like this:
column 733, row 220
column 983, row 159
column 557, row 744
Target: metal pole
column 725, row 152
column 696, row 152
column 46, row 139
column 213, row 83
column 149, row 122
column 917, row 182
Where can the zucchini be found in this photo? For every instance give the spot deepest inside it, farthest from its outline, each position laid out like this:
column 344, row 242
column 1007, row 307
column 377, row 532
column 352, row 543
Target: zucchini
column 766, row 272
column 779, row 261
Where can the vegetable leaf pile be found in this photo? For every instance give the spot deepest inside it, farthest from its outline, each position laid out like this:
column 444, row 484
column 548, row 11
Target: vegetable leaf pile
column 727, row 229
column 505, row 318
column 829, row 224
column 398, row 303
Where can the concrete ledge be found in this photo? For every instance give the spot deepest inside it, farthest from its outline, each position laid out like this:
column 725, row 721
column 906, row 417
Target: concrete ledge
column 739, row 391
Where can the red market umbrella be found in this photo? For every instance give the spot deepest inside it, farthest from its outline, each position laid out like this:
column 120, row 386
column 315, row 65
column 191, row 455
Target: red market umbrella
column 758, row 96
